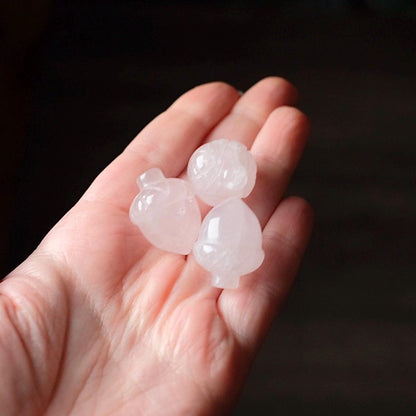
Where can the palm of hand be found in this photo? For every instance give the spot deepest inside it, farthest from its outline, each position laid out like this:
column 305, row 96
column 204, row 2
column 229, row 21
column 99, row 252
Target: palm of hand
column 137, row 330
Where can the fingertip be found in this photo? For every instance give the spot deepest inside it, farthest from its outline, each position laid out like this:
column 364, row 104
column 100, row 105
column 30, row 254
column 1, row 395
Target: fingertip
column 221, row 87
column 286, row 91
column 302, row 209
column 216, row 90
column 292, row 224
column 291, row 119
column 256, row 104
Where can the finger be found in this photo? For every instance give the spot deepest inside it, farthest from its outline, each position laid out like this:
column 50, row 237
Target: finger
column 277, row 150
column 167, row 142
column 252, row 109
column 250, row 309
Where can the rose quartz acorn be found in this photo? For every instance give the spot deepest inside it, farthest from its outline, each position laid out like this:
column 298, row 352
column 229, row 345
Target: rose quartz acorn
column 229, row 243
column 221, row 169
column 166, row 212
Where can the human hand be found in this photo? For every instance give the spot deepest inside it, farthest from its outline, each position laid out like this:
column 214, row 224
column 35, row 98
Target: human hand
column 97, row 321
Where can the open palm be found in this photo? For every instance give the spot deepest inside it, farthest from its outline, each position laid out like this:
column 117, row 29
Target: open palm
column 97, row 321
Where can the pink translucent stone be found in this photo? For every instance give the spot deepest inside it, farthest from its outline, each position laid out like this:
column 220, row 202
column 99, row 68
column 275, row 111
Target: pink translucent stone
column 166, row 212
column 229, row 243
column 221, row 169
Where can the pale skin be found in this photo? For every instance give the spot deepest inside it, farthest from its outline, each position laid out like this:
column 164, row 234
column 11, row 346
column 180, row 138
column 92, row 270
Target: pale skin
column 98, row 322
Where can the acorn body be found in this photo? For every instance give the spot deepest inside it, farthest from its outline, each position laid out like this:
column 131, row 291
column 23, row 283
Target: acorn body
column 166, row 212
column 229, row 243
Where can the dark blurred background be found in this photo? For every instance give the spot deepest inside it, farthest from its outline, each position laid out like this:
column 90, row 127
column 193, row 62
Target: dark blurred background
column 79, row 79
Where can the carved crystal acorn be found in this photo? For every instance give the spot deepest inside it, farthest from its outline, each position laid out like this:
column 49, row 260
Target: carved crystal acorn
column 221, row 169
column 229, row 243
column 166, row 212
